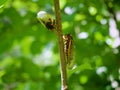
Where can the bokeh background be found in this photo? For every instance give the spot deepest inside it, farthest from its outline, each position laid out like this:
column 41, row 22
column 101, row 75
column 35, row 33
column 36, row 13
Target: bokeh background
column 29, row 54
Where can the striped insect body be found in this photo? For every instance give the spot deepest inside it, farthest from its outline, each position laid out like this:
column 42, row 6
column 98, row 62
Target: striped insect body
column 68, row 49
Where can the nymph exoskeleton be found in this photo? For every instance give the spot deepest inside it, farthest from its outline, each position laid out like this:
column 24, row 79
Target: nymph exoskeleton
column 46, row 20
column 68, row 49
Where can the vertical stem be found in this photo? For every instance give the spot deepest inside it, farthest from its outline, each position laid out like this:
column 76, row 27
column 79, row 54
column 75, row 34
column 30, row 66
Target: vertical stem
column 61, row 46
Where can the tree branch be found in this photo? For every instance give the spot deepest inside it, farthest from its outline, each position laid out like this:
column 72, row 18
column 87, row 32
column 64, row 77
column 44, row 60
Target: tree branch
column 61, row 46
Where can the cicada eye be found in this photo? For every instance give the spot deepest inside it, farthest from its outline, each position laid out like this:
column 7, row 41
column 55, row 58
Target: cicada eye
column 50, row 20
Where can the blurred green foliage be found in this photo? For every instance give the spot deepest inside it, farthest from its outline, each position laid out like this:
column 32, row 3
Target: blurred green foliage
column 29, row 57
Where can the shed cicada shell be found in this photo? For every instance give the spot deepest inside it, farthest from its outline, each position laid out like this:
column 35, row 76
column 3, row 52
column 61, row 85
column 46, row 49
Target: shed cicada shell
column 68, row 50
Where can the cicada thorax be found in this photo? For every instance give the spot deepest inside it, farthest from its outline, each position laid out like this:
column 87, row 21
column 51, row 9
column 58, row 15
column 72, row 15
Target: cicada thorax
column 50, row 24
column 68, row 48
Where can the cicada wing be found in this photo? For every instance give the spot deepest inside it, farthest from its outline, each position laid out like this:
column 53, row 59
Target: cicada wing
column 69, row 50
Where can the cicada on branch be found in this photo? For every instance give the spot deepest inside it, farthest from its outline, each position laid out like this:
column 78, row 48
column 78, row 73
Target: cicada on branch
column 46, row 20
column 68, row 50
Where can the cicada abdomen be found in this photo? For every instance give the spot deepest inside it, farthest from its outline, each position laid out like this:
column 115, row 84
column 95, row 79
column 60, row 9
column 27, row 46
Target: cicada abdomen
column 68, row 50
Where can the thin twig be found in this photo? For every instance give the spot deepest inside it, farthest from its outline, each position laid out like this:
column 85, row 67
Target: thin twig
column 61, row 46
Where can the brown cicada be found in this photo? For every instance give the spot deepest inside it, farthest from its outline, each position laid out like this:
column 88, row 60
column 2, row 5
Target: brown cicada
column 68, row 50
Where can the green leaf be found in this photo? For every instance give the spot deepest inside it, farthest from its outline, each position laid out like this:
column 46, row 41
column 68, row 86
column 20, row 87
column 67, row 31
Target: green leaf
column 85, row 66
column 2, row 2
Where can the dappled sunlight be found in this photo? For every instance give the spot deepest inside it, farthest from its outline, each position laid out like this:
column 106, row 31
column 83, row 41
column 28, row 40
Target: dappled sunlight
column 114, row 84
column 69, row 10
column 114, row 33
column 83, row 35
column 118, row 16
column 103, row 21
column 92, row 10
column 45, row 58
column 101, row 70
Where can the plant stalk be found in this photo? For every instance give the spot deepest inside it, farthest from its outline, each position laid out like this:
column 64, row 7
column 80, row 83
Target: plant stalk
column 64, row 85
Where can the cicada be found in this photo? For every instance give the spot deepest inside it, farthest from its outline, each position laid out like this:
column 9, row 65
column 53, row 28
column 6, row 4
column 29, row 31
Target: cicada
column 46, row 20
column 68, row 50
